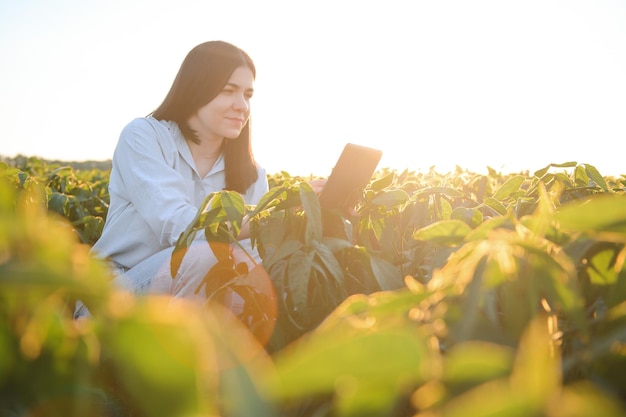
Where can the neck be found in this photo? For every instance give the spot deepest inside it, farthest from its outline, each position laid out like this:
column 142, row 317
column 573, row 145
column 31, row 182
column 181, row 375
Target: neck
column 205, row 150
column 204, row 157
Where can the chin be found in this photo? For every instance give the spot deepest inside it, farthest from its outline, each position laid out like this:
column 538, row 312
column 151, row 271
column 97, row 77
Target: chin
column 232, row 135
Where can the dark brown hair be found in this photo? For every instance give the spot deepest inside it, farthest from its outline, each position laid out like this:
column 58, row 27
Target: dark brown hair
column 203, row 74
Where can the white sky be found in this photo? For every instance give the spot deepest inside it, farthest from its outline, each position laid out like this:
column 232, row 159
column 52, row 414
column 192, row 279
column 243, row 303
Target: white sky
column 514, row 85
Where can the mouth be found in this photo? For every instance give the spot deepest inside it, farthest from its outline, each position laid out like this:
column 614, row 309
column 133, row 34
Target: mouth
column 235, row 120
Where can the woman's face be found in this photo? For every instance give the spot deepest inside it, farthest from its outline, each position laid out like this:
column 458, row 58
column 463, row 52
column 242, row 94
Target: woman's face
column 227, row 114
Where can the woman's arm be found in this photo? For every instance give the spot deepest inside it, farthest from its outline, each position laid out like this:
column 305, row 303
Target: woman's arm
column 244, row 232
column 146, row 178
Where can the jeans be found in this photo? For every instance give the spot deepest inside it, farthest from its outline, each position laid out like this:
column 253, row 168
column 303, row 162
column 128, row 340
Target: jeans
column 153, row 274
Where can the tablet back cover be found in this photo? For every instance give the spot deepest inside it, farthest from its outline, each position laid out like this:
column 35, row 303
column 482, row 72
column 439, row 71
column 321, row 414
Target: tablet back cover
column 351, row 174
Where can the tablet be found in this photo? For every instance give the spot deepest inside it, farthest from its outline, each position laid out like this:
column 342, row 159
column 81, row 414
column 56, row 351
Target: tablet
column 349, row 177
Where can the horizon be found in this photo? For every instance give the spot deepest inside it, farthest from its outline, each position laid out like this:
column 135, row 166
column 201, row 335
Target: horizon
column 553, row 166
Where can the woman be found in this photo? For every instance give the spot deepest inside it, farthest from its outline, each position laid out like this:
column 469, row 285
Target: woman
column 196, row 142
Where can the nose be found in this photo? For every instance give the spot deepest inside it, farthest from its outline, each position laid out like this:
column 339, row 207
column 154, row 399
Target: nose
column 241, row 103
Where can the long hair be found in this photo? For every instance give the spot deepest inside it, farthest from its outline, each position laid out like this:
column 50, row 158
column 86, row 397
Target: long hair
column 203, row 74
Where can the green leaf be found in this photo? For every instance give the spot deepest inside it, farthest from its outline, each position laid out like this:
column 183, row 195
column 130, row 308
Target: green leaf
column 584, row 398
column 476, row 361
column 311, row 204
column 602, row 213
column 482, row 231
column 58, row 172
column 581, row 177
column 204, row 207
column 298, row 275
column 383, row 182
column 58, row 203
column 367, row 370
column 510, row 186
column 330, row 262
column 391, row 198
column 235, row 209
column 537, row 374
column 492, row 399
column 279, row 276
column 155, row 351
column 386, row 274
column 286, row 249
column 596, row 177
column 496, row 205
column 470, row 216
column 570, row 164
column 336, row 244
column 601, row 267
column 540, row 173
column 450, row 192
column 240, row 395
column 269, row 199
column 444, row 232
column 445, row 208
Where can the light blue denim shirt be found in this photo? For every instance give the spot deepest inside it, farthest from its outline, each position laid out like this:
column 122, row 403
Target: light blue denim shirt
column 156, row 191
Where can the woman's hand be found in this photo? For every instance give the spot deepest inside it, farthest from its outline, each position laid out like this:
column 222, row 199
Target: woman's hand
column 318, row 185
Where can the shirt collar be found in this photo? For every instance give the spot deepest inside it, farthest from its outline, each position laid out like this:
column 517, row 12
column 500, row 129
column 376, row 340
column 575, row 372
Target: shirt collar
column 218, row 166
